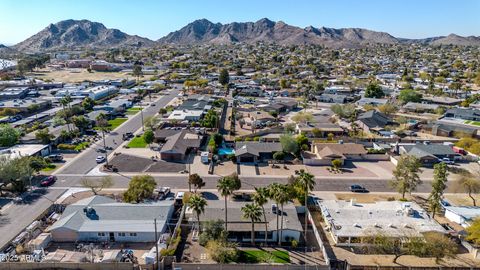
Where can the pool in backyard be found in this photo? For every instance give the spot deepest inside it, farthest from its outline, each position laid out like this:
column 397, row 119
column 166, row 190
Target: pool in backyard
column 225, row 151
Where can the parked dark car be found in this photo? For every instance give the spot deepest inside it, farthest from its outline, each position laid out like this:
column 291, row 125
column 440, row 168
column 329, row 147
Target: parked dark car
column 127, row 136
column 48, row 181
column 55, row 157
column 358, row 189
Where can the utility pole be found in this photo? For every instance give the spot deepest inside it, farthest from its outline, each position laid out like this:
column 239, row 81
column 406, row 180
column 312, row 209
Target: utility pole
column 156, row 244
column 141, row 114
column 105, row 147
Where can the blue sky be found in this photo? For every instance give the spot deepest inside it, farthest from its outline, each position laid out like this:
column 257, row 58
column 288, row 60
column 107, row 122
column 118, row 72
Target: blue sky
column 20, row 19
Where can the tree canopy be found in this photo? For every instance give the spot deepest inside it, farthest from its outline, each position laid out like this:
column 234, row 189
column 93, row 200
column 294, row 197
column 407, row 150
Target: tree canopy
column 8, row 135
column 140, row 188
column 374, row 91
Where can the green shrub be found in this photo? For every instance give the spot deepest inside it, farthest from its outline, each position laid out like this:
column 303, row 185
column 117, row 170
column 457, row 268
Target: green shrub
column 64, row 146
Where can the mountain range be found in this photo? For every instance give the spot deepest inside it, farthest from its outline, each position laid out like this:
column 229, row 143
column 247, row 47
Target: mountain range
column 81, row 34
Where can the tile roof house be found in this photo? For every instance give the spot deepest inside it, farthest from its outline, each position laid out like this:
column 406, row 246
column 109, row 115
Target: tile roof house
column 100, row 218
column 324, row 153
column 249, row 152
column 349, row 221
column 240, row 229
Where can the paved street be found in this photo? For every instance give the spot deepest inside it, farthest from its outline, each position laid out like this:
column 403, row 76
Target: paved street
column 176, row 181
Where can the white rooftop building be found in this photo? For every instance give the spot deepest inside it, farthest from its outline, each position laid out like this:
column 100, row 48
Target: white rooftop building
column 350, row 222
column 462, row 215
column 100, row 218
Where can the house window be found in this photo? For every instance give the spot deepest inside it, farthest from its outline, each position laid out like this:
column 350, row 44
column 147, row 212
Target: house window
column 101, row 234
column 121, row 234
column 133, row 234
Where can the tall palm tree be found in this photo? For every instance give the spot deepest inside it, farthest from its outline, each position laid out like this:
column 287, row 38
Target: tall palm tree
column 307, row 181
column 282, row 195
column 226, row 187
column 253, row 212
column 273, row 190
column 65, row 101
column 197, row 204
column 260, row 197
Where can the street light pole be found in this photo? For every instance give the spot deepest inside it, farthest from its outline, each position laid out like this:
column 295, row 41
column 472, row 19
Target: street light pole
column 141, row 114
column 105, row 147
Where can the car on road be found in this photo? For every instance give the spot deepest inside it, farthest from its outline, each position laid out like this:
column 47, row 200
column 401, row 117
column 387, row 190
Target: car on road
column 127, row 136
column 358, row 189
column 55, row 157
column 101, row 150
column 100, row 159
column 48, row 181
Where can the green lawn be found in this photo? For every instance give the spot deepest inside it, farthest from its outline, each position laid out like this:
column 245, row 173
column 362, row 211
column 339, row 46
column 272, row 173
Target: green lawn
column 133, row 110
column 114, row 123
column 82, row 146
column 475, row 123
column 137, row 142
column 258, row 256
column 49, row 168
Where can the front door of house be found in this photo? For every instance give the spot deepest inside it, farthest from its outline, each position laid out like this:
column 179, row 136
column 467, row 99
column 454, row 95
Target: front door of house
column 112, row 237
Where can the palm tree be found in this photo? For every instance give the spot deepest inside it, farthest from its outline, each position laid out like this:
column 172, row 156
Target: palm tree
column 197, row 204
column 65, row 101
column 307, row 181
column 272, row 190
column 253, row 212
column 226, row 187
column 283, row 196
column 260, row 197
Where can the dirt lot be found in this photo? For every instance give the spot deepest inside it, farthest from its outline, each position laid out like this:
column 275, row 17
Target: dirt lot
column 461, row 199
column 80, row 75
column 366, row 198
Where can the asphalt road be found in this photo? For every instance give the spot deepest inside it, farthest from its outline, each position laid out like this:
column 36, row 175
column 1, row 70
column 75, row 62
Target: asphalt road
column 86, row 160
column 248, row 183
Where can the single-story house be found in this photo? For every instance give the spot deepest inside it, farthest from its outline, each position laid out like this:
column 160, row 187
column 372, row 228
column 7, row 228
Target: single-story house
column 115, row 106
column 350, row 222
column 463, row 113
column 100, row 218
column 239, row 229
column 449, row 129
column 248, row 152
column 446, row 101
column 324, row 129
column 373, row 121
column 332, row 98
column 180, row 144
column 462, row 215
column 26, row 150
column 324, row 153
column 429, row 153
column 420, row 107
column 372, row 101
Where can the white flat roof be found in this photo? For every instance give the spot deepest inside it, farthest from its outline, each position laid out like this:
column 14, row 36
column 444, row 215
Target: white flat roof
column 22, row 150
column 392, row 218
